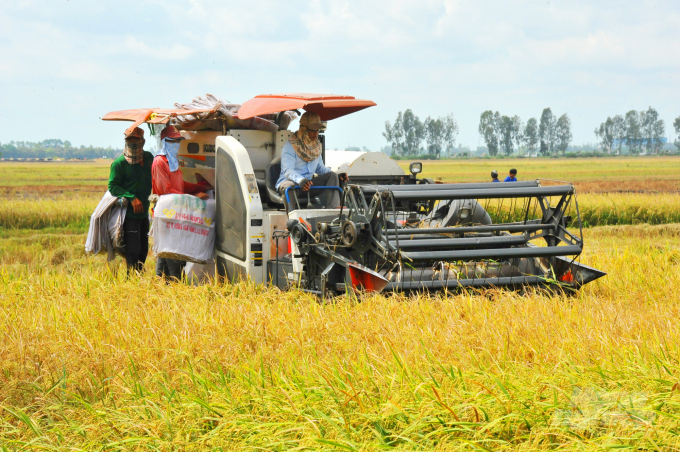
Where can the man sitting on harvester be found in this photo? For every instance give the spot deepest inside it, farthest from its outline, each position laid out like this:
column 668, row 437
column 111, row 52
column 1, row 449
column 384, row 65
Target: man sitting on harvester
column 301, row 160
column 167, row 179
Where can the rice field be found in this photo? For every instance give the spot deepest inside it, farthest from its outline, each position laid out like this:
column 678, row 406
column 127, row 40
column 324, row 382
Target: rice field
column 93, row 360
column 73, row 212
column 48, row 178
column 639, row 174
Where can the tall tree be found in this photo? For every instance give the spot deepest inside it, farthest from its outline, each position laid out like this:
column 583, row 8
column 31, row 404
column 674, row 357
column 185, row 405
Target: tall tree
column 546, row 131
column 619, row 131
column 497, row 128
column 440, row 134
column 676, row 126
column 518, row 132
column 531, row 135
column 563, row 134
column 658, row 135
column 652, row 130
column 606, row 134
column 450, row 131
column 394, row 134
column 434, row 136
column 414, row 132
column 488, row 129
column 507, row 134
column 633, row 135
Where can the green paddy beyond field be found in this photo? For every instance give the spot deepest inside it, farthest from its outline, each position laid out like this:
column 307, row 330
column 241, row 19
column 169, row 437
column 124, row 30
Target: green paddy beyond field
column 92, row 360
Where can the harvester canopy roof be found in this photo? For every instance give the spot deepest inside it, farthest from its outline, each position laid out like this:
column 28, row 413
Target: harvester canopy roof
column 149, row 115
column 328, row 106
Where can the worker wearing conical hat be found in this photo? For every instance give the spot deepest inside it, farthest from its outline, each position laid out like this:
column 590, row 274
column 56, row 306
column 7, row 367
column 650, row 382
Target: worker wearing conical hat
column 302, row 164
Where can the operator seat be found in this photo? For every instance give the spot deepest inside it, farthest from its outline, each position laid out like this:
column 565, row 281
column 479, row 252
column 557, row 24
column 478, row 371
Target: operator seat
column 272, row 175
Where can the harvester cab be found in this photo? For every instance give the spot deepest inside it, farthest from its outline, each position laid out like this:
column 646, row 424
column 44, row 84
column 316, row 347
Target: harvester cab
column 394, row 231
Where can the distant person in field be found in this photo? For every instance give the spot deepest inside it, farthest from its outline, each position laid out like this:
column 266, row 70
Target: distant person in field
column 512, row 177
column 167, row 179
column 494, row 176
column 130, row 180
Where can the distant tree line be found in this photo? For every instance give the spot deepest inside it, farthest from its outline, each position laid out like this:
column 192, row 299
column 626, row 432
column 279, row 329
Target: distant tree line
column 637, row 130
column 55, row 149
column 503, row 133
column 407, row 134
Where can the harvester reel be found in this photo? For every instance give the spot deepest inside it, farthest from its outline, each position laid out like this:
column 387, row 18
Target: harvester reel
column 349, row 234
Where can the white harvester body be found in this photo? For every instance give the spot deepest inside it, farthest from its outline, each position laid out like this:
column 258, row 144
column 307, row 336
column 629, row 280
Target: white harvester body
column 395, row 231
column 236, row 165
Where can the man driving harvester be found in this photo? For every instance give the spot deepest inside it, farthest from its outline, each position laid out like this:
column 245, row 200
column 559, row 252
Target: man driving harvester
column 301, row 160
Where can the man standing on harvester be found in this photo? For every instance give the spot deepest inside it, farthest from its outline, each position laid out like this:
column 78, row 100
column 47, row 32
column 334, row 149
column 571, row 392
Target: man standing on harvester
column 130, row 179
column 301, row 160
column 167, row 179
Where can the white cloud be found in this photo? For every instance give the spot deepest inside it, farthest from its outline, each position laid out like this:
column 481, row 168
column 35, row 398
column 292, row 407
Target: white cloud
column 584, row 58
column 159, row 50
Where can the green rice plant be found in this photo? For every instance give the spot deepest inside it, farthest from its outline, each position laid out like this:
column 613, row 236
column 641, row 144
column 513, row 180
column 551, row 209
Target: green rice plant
column 60, row 212
column 73, row 213
column 629, row 208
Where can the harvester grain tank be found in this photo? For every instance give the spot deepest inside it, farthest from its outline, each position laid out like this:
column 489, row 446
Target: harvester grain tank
column 394, row 231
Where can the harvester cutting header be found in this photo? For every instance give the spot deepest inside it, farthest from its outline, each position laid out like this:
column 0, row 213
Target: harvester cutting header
column 391, row 231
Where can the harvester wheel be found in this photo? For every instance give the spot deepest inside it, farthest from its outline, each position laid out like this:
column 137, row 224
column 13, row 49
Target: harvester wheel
column 349, row 234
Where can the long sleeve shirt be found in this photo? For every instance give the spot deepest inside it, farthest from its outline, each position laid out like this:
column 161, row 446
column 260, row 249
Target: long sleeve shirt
column 166, row 182
column 132, row 181
column 294, row 168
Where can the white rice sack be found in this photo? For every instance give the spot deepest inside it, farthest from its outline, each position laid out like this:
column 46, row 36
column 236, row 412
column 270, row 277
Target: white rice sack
column 184, row 228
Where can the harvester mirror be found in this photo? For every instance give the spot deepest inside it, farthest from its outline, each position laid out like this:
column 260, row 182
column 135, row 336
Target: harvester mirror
column 415, row 168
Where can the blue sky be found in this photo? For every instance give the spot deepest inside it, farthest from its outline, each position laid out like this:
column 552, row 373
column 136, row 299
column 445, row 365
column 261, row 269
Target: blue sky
column 65, row 63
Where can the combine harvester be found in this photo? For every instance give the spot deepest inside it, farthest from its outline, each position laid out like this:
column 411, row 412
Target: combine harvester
column 394, row 231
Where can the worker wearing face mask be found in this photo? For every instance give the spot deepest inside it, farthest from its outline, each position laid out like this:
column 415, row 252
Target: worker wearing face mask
column 130, row 180
column 167, row 179
column 303, row 166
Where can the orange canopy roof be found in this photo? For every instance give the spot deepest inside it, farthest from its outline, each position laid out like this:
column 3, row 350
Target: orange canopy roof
column 328, row 106
column 150, row 115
